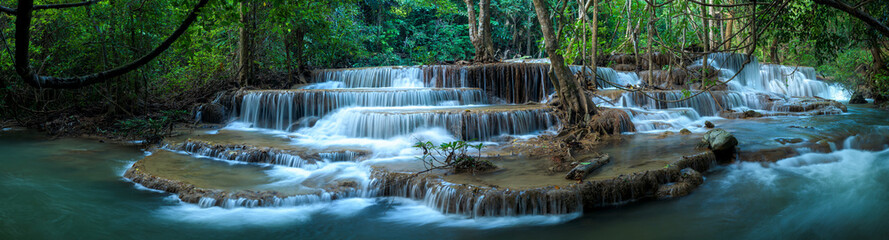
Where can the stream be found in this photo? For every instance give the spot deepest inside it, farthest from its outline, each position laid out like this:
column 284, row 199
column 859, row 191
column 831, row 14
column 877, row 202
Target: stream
column 74, row 187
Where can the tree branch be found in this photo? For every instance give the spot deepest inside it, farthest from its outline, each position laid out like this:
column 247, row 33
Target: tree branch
column 861, row 15
column 7, row 10
column 24, row 70
column 64, row 5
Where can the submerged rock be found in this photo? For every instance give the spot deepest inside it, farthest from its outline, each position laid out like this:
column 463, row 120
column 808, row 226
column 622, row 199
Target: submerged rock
column 732, row 114
column 788, row 140
column 685, row 131
column 719, row 140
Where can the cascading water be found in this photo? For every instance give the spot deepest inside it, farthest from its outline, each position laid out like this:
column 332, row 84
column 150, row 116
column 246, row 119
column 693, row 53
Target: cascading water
column 386, row 109
column 751, row 86
column 780, row 79
column 288, row 109
column 389, row 108
column 382, row 123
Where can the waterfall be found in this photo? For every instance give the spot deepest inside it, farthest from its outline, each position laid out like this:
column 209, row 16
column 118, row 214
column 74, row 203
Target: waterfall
column 780, row 79
column 606, row 78
column 797, row 81
column 705, row 104
column 384, row 123
column 374, row 77
column 249, row 154
column 662, row 120
column 288, row 109
column 476, row 201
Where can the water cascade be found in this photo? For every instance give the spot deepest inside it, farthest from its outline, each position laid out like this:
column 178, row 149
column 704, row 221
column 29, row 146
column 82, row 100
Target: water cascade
column 464, row 123
column 385, row 109
column 780, row 79
column 287, row 109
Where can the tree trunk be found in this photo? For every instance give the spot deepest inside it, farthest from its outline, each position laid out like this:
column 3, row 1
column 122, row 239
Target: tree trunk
column 480, row 31
column 650, row 46
column 287, row 55
column 578, row 106
column 593, row 58
column 773, row 51
column 245, row 48
column 299, row 44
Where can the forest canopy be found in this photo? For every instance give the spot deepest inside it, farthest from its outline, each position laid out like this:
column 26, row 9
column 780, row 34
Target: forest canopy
column 241, row 43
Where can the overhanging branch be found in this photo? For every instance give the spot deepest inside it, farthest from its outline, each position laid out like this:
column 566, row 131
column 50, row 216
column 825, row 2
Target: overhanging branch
column 27, row 74
column 7, row 10
column 861, row 15
column 64, row 5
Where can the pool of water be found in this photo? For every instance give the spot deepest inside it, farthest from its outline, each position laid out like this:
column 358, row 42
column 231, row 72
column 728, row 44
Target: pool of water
column 72, row 188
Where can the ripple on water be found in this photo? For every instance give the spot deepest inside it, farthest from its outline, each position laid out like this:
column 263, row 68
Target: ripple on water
column 819, row 194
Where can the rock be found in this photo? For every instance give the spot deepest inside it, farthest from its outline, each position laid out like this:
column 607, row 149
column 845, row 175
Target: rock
column 732, row 114
column 307, row 121
column 685, row 131
column 879, row 99
column 809, row 105
column 751, row 114
column 857, row 98
column 719, row 140
column 665, row 134
column 788, row 140
column 211, row 113
column 689, row 179
column 708, row 124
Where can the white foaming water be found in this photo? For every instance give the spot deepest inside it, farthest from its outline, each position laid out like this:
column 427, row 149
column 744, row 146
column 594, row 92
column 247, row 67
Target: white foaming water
column 780, row 79
column 394, row 122
column 825, row 191
column 401, row 77
column 395, row 146
column 663, row 120
column 324, row 85
column 752, row 86
column 240, row 217
column 412, row 212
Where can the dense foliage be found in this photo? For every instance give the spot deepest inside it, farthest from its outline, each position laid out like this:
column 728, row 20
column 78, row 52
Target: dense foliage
column 289, row 37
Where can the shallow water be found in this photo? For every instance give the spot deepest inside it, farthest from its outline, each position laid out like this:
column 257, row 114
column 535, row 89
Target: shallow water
column 68, row 188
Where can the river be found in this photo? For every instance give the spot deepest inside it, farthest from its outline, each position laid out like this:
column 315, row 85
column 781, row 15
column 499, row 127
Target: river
column 73, row 188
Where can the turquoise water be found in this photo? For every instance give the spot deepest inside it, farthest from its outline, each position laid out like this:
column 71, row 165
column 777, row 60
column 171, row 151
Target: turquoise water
column 72, row 188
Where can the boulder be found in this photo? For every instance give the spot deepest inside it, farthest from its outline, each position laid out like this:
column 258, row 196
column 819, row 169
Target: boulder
column 708, row 124
column 732, row 114
column 857, row 98
column 211, row 113
column 685, row 131
column 719, row 140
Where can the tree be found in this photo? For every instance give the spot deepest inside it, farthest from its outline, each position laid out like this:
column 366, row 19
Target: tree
column 23, row 14
column 247, row 12
column 480, row 31
column 579, row 108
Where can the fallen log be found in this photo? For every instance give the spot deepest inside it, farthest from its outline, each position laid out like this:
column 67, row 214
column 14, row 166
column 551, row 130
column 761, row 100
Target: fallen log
column 585, row 168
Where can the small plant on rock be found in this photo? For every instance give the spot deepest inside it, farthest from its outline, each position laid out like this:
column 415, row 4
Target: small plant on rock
column 453, row 156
